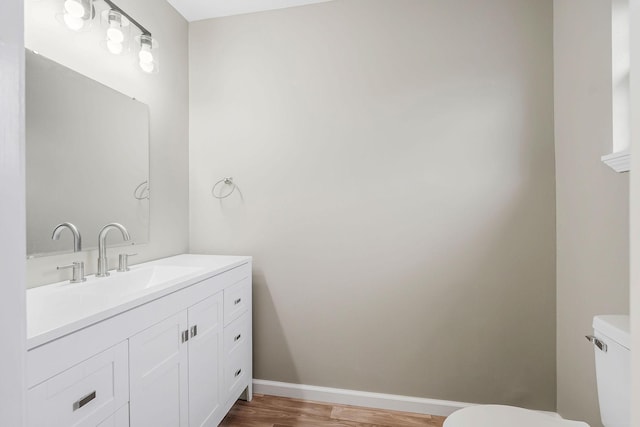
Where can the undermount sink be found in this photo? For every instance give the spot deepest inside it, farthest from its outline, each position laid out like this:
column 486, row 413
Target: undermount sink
column 54, row 308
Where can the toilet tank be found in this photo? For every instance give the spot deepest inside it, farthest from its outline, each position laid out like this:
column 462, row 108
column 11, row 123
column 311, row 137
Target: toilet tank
column 613, row 369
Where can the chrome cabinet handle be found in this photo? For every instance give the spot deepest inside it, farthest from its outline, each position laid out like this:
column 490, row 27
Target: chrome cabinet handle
column 194, row 331
column 597, row 342
column 237, row 337
column 185, row 336
column 80, row 403
column 238, row 301
column 238, row 372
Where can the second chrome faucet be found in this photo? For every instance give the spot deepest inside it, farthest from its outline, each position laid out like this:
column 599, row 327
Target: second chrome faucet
column 103, row 265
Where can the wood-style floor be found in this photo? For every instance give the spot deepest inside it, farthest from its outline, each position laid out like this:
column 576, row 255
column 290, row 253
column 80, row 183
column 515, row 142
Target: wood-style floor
column 271, row 411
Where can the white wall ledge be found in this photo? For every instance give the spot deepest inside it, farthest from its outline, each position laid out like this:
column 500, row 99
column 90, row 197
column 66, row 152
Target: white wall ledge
column 619, row 162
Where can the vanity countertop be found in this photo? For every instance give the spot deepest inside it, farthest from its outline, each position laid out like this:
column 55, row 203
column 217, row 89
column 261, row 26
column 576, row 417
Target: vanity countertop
column 61, row 308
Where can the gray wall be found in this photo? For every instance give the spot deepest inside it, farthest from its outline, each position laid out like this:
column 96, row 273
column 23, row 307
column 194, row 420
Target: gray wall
column 592, row 200
column 12, row 215
column 166, row 94
column 396, row 167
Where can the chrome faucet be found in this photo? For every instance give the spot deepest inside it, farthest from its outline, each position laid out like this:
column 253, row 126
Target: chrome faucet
column 103, row 267
column 78, row 266
column 77, row 240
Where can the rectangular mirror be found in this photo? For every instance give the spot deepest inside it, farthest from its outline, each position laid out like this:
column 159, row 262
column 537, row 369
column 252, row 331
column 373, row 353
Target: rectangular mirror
column 87, row 158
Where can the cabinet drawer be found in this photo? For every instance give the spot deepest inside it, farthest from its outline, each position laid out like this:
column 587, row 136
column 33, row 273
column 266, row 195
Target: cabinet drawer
column 83, row 395
column 237, row 299
column 236, row 375
column 235, row 335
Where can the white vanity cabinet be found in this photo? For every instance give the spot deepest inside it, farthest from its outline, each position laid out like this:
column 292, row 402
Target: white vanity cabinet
column 178, row 360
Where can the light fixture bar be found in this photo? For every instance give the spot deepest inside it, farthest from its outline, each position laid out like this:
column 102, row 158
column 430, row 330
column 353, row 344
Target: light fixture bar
column 113, row 6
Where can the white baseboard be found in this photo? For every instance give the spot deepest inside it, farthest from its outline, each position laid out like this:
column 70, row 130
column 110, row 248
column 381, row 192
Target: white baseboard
column 391, row 402
column 338, row 396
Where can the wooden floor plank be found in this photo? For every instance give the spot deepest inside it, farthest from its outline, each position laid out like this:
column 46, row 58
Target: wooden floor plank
column 377, row 416
column 244, row 416
column 287, row 405
column 272, row 411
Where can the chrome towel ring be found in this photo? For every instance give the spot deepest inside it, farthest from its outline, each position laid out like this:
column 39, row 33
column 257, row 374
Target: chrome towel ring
column 228, row 181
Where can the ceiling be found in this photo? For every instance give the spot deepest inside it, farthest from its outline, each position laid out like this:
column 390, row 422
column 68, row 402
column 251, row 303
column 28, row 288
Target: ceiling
column 195, row 10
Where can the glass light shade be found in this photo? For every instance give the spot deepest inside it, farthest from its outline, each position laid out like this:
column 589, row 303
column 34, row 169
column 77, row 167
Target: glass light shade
column 72, row 22
column 74, row 8
column 115, row 47
column 148, row 58
column 77, row 14
column 147, row 67
column 117, row 31
column 115, row 35
column 145, row 54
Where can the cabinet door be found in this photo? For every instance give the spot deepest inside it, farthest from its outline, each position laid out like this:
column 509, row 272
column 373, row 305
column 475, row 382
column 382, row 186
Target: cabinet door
column 159, row 375
column 205, row 366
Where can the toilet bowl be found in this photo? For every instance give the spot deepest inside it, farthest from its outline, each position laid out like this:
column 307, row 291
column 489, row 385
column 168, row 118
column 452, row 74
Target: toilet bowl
column 505, row 416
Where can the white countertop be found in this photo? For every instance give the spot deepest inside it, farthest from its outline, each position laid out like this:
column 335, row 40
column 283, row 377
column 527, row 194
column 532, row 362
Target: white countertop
column 61, row 308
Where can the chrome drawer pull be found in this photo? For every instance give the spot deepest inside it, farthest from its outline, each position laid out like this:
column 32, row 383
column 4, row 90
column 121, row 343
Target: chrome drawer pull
column 194, row 331
column 238, row 301
column 185, row 336
column 237, row 337
column 238, row 372
column 598, row 343
column 80, row 403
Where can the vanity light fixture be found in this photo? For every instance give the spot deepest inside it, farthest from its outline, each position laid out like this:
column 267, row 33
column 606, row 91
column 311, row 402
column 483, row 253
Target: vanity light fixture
column 117, row 25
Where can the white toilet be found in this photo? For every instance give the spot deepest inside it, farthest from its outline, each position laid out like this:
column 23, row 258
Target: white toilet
column 611, row 341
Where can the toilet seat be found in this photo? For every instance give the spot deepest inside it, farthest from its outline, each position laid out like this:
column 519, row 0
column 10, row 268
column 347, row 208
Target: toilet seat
column 505, row 416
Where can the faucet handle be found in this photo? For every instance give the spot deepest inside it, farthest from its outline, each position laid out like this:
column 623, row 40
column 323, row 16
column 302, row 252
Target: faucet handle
column 78, row 271
column 123, row 262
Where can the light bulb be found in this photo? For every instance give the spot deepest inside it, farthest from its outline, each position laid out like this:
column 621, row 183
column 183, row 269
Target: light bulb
column 147, row 67
column 74, row 8
column 115, row 33
column 115, row 47
column 145, row 54
column 72, row 22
